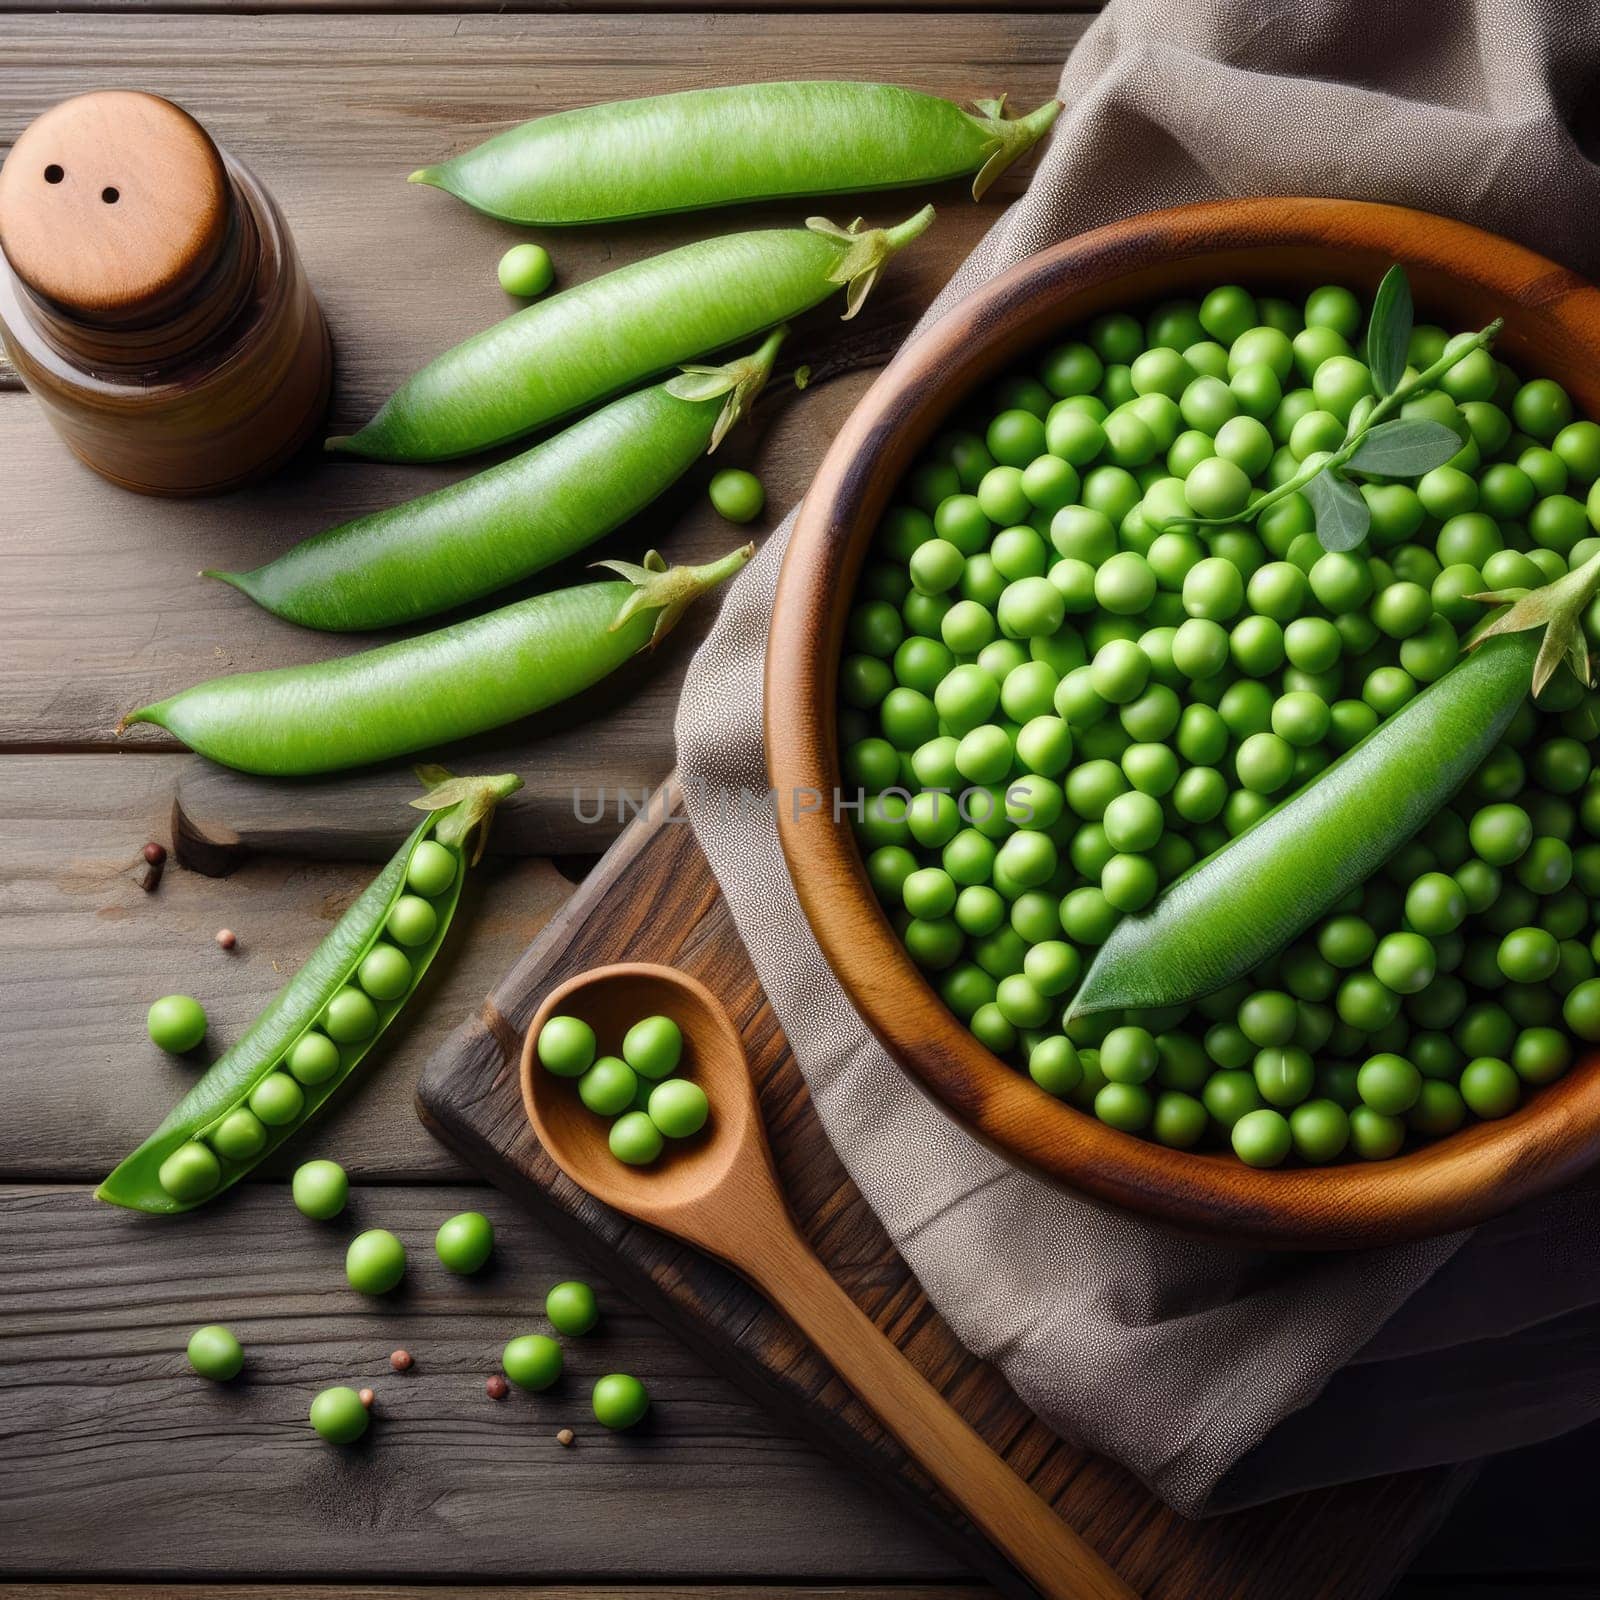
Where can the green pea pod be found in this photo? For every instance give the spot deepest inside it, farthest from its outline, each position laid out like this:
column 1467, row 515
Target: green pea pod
column 438, row 687
column 1243, row 904
column 180, row 1166
column 718, row 147
column 605, row 335
column 476, row 536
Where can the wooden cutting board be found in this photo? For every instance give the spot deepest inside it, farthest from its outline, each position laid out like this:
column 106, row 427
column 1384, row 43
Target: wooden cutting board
column 653, row 898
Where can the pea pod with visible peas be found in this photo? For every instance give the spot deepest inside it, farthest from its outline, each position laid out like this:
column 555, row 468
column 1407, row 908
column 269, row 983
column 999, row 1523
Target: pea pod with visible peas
column 717, row 147
column 1243, row 904
column 473, row 537
column 605, row 335
column 440, row 686
column 317, row 1030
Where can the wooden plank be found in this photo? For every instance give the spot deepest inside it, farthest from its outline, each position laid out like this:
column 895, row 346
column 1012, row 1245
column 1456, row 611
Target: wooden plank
column 84, row 950
column 115, row 1458
column 542, row 1591
column 653, row 898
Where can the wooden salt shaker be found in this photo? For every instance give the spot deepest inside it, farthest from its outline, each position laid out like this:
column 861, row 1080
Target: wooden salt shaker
column 152, row 299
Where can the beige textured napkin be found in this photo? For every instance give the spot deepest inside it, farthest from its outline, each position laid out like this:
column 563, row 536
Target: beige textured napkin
column 1175, row 1357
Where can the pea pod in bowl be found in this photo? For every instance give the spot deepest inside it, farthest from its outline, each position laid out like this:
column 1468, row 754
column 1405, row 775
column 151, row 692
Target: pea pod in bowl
column 470, row 538
column 1244, row 903
column 418, row 693
column 319, row 1028
column 609, row 333
column 718, row 147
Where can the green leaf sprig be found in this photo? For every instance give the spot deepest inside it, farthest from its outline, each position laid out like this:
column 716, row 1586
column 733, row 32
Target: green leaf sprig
column 1376, row 442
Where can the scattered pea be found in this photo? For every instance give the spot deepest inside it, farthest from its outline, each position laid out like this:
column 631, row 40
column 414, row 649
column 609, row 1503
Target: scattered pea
column 737, row 495
column 619, row 1401
column 375, row 1261
column 215, row 1353
column 532, row 1361
column 176, row 1023
column 338, row 1415
column 525, row 271
column 464, row 1242
column 320, row 1189
column 572, row 1309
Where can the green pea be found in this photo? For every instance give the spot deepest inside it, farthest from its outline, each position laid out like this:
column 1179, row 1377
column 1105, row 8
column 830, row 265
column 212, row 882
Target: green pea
column 653, row 1047
column 338, row 1415
column 634, row 1138
column 1261, row 1138
column 1319, row 1130
column 176, row 1023
column 464, row 1242
column 525, row 271
column 1500, row 833
column 215, row 1353
column 277, row 1100
column 532, row 1361
column 190, row 1173
column 608, row 1087
column 1404, row 962
column 320, row 1189
column 432, row 869
column 738, row 496
column 1490, row 1088
column 1528, row 955
column 384, row 972
column 679, row 1108
column 413, row 921
column 619, row 1401
column 566, row 1047
column 1581, row 1009
column 572, row 1309
column 240, row 1135
column 1284, row 1074
column 350, row 1016
column 375, row 1261
column 1375, row 1136
column 1389, row 1084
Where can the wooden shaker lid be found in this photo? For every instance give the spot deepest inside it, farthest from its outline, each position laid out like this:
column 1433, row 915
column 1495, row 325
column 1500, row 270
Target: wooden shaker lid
column 113, row 205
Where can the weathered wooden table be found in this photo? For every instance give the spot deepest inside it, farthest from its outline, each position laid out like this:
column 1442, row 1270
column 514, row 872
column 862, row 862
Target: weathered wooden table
column 116, row 1466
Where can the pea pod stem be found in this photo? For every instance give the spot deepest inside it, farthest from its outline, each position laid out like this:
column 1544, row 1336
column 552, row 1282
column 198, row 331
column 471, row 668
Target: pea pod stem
column 427, row 691
column 602, row 336
column 459, row 813
column 500, row 526
column 732, row 144
column 1241, row 906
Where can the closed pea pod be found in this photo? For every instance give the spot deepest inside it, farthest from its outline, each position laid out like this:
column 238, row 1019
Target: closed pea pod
column 440, row 686
column 591, row 341
column 715, row 147
column 1244, row 903
column 470, row 538
column 184, row 1163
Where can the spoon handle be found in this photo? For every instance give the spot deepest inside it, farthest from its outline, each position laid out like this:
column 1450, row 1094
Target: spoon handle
column 1014, row 1519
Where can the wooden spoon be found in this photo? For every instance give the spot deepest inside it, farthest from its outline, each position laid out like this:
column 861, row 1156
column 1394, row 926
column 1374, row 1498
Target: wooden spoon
column 720, row 1192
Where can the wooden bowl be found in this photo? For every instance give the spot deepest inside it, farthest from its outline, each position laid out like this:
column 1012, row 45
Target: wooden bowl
column 1460, row 276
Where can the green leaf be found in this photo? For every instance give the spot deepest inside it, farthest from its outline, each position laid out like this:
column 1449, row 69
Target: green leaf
column 1341, row 513
column 1405, row 448
column 1389, row 331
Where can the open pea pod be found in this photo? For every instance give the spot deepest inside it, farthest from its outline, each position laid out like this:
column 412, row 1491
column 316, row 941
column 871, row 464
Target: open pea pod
column 321, row 1024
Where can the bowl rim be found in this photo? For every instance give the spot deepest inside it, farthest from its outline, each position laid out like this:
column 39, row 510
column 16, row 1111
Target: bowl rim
column 1552, row 321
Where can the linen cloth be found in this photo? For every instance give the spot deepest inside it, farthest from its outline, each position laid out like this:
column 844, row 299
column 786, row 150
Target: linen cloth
column 1181, row 1359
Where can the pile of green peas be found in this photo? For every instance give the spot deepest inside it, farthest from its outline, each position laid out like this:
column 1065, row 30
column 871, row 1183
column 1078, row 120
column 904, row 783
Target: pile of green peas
column 640, row 1089
column 1057, row 697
